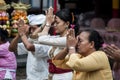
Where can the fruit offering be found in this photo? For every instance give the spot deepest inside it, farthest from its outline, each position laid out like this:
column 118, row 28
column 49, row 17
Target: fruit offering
column 19, row 12
column 4, row 16
column 4, row 20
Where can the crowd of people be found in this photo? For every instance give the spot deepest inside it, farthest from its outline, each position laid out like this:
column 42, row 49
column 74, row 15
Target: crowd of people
column 68, row 54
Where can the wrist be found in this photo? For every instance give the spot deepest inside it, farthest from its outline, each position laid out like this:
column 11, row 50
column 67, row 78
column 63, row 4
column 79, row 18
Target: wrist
column 48, row 24
column 72, row 50
column 66, row 50
column 17, row 36
column 22, row 34
column 34, row 36
column 71, row 47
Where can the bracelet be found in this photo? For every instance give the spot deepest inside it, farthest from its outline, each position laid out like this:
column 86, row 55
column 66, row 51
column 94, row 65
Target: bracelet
column 48, row 25
column 71, row 47
column 34, row 36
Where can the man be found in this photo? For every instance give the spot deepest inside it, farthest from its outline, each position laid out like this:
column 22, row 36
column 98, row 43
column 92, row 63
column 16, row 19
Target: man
column 37, row 67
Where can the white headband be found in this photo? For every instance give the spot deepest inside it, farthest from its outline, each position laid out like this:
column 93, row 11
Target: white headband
column 36, row 19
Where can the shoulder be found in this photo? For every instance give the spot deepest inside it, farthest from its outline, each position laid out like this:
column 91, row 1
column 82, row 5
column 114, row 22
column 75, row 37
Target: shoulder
column 99, row 55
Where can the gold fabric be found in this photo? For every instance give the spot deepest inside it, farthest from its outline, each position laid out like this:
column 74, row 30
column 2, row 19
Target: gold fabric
column 93, row 67
column 20, row 6
column 3, row 5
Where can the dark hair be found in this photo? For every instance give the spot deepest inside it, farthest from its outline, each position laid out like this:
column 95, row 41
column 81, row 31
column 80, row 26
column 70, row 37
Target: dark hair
column 66, row 15
column 95, row 36
column 3, row 35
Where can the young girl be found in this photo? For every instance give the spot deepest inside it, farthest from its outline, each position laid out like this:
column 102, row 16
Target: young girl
column 7, row 59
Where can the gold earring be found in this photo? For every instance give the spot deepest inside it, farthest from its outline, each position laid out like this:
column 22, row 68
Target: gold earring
column 66, row 27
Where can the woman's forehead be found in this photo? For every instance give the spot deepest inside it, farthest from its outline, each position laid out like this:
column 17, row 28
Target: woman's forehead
column 57, row 18
column 84, row 35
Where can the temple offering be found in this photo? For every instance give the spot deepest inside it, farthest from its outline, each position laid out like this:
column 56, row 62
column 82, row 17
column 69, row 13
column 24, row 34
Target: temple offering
column 4, row 16
column 19, row 12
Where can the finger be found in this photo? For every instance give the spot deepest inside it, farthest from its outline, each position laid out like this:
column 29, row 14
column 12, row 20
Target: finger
column 20, row 22
column 68, row 34
column 77, row 39
column 69, row 31
column 22, row 28
column 46, row 12
column 110, row 56
column 107, row 50
column 51, row 11
column 110, row 49
column 73, row 33
column 54, row 17
column 115, row 47
column 67, row 38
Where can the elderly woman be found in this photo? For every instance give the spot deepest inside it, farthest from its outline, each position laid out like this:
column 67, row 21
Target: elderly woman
column 84, row 56
column 7, row 59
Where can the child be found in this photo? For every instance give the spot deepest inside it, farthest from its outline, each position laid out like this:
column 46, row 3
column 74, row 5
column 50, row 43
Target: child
column 7, row 59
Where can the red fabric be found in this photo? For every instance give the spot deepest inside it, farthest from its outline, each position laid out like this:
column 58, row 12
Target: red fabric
column 54, row 32
column 54, row 69
column 115, row 13
column 55, row 6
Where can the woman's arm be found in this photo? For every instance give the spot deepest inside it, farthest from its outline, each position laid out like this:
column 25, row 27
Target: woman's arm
column 52, row 40
column 46, row 26
column 13, row 43
column 70, row 48
column 43, row 30
column 34, row 35
column 96, row 61
column 50, row 18
column 61, row 55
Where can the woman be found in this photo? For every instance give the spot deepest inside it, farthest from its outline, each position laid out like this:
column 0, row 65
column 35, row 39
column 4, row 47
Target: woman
column 61, row 22
column 7, row 59
column 85, row 58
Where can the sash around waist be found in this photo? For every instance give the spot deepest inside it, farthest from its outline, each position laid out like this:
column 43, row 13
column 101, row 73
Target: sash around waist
column 53, row 69
column 11, row 70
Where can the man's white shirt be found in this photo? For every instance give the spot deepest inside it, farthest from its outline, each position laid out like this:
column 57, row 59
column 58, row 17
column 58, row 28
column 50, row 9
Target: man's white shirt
column 37, row 66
